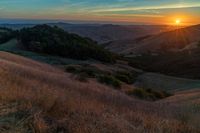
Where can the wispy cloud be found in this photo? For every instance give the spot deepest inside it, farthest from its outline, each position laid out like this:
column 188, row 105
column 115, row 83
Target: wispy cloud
column 146, row 8
column 134, row 15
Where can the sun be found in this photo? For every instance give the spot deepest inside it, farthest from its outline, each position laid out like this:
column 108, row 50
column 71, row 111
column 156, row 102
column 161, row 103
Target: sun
column 177, row 21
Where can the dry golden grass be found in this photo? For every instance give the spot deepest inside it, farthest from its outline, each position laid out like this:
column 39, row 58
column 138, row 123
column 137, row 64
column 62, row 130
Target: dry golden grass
column 186, row 96
column 54, row 102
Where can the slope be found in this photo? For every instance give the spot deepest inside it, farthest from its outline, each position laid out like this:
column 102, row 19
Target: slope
column 36, row 97
column 167, row 41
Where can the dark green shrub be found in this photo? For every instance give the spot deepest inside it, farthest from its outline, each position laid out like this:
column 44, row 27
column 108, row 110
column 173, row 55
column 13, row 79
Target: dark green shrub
column 82, row 77
column 148, row 94
column 109, row 80
column 90, row 71
column 127, row 77
column 71, row 69
column 123, row 78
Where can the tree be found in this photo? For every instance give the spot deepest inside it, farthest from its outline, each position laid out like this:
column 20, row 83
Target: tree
column 55, row 41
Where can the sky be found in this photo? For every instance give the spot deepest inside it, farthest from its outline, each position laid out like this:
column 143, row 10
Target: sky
column 124, row 11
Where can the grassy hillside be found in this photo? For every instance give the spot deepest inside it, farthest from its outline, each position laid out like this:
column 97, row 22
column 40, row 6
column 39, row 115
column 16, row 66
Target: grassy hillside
column 36, row 97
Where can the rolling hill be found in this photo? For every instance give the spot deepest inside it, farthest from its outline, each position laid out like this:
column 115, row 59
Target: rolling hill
column 36, row 97
column 44, row 39
column 174, row 53
column 109, row 32
column 102, row 33
column 176, row 40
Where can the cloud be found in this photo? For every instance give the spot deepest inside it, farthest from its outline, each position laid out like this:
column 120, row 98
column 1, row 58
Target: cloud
column 178, row 6
column 135, row 15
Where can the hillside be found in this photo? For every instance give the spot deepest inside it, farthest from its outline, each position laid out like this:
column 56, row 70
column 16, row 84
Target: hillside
column 36, row 97
column 174, row 53
column 175, row 40
column 44, row 39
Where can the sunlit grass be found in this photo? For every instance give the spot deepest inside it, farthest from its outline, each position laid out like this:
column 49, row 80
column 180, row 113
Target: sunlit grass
column 53, row 102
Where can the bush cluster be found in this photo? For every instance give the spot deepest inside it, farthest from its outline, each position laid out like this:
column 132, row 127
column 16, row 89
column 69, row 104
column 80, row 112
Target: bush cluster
column 125, row 76
column 109, row 80
column 149, row 94
column 87, row 71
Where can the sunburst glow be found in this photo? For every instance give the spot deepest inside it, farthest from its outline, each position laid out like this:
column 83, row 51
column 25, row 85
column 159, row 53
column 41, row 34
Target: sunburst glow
column 177, row 21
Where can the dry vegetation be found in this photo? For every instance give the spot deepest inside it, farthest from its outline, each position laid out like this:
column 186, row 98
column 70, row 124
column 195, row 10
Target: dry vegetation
column 36, row 97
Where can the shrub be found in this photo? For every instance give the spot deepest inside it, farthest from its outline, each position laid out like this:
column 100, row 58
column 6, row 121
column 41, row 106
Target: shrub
column 82, row 77
column 148, row 94
column 127, row 77
column 71, row 69
column 109, row 80
column 123, row 78
column 90, row 71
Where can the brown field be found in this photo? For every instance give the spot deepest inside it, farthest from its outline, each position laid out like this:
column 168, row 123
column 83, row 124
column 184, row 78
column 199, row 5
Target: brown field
column 39, row 98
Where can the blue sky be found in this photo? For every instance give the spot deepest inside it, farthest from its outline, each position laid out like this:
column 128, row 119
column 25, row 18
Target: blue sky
column 146, row 11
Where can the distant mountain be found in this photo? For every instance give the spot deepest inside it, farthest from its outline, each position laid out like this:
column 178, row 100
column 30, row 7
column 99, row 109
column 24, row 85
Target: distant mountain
column 102, row 33
column 16, row 26
column 176, row 40
column 109, row 32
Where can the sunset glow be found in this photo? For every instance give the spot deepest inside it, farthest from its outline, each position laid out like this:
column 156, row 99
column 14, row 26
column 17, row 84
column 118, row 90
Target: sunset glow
column 178, row 22
column 123, row 11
